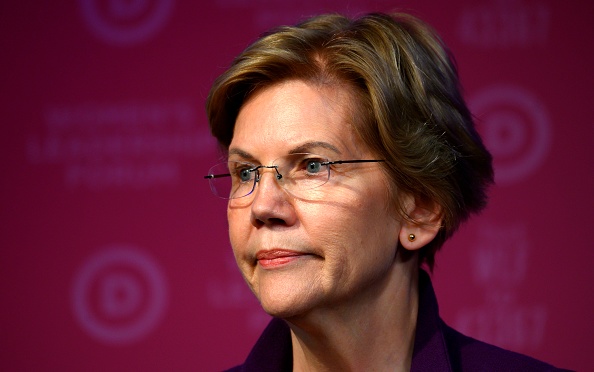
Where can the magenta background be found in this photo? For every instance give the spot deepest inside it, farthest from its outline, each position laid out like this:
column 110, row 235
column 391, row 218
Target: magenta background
column 518, row 276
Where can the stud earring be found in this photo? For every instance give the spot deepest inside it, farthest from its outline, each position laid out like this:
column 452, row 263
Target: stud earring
column 411, row 237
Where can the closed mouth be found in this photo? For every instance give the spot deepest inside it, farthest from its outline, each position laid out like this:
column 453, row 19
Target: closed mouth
column 277, row 257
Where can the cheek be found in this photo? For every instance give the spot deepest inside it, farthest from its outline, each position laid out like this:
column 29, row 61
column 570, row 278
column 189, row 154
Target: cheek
column 356, row 231
column 374, row 229
column 237, row 230
column 238, row 237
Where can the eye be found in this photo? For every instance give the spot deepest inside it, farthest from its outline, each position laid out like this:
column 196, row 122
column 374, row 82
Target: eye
column 313, row 166
column 245, row 174
column 241, row 172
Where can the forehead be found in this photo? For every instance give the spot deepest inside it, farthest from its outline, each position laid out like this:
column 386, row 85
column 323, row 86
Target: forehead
column 292, row 114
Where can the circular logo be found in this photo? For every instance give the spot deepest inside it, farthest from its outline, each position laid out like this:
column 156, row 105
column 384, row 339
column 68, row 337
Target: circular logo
column 119, row 295
column 515, row 128
column 125, row 22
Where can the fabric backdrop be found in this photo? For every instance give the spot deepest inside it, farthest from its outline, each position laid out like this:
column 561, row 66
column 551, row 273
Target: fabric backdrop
column 114, row 255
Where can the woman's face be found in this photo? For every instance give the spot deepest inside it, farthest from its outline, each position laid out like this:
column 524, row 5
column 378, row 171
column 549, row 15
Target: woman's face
column 330, row 246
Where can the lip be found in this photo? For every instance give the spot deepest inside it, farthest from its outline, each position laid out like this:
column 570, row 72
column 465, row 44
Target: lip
column 277, row 257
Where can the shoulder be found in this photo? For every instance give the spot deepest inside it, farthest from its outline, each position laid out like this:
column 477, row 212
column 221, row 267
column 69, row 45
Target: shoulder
column 469, row 354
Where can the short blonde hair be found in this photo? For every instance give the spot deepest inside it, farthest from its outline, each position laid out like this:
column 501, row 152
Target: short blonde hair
column 410, row 109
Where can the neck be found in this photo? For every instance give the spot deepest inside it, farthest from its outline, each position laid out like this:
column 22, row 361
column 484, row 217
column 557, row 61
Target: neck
column 374, row 333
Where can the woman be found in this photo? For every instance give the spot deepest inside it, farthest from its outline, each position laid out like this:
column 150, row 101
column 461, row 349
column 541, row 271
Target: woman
column 352, row 157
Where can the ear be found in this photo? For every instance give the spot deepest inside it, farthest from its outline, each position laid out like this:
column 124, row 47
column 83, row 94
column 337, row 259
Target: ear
column 422, row 225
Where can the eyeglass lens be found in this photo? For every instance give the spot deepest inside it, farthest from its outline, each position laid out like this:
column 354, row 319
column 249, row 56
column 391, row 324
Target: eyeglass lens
column 298, row 172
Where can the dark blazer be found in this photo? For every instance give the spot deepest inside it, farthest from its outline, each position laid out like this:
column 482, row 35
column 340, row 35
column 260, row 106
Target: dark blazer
column 437, row 346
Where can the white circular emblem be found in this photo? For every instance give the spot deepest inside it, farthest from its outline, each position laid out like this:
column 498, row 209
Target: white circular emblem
column 515, row 128
column 119, row 295
column 125, row 21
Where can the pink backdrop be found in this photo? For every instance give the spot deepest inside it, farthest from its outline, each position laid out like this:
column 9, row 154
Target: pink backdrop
column 114, row 255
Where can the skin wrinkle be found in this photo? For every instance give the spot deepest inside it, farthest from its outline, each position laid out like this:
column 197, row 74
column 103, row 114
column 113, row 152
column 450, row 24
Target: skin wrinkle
column 376, row 87
column 402, row 74
column 362, row 326
column 335, row 298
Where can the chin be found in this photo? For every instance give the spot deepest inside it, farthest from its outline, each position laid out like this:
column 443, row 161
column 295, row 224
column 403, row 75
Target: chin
column 282, row 308
column 286, row 304
column 279, row 312
column 287, row 293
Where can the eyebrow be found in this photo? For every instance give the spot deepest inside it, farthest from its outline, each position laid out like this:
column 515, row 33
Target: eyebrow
column 308, row 146
column 243, row 154
column 305, row 147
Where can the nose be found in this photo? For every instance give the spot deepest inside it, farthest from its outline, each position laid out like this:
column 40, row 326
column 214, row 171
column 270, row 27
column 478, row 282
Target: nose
column 271, row 204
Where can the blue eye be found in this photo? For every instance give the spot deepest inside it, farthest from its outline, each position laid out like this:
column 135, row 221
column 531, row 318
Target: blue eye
column 245, row 174
column 313, row 166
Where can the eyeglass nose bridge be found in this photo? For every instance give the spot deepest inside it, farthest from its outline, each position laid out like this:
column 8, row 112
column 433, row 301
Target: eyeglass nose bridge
column 278, row 175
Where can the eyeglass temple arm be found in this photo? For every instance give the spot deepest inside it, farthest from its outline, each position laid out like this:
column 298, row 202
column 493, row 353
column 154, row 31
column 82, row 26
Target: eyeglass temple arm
column 278, row 175
column 211, row 176
column 352, row 161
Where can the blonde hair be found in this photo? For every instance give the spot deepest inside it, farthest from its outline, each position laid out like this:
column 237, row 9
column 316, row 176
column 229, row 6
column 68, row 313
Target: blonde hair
column 410, row 109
